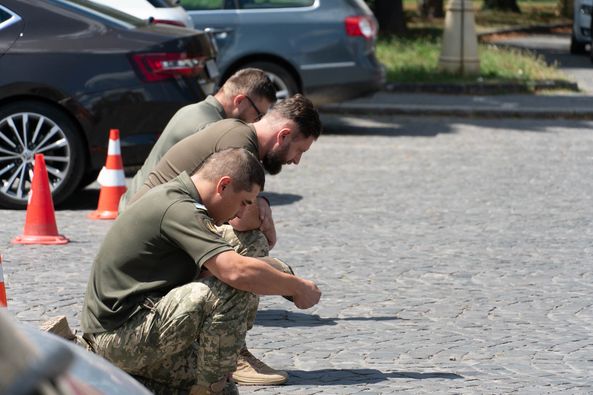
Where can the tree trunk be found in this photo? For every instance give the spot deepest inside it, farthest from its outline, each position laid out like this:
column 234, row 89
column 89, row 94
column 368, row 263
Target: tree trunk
column 429, row 9
column 390, row 14
column 565, row 8
column 502, row 5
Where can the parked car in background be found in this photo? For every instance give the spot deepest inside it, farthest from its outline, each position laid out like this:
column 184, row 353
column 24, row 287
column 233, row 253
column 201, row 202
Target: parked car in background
column 70, row 71
column 155, row 11
column 322, row 48
column 581, row 26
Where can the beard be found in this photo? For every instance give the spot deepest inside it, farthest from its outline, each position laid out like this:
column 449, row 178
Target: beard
column 274, row 160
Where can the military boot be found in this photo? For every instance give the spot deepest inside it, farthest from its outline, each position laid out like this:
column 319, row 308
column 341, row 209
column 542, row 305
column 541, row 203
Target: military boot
column 252, row 371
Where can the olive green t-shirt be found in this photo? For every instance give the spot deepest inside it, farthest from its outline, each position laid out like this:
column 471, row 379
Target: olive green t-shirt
column 157, row 244
column 188, row 154
column 187, row 121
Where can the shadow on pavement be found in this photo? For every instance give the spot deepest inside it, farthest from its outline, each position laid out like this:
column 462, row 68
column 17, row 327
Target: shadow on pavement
column 289, row 319
column 279, row 199
column 432, row 126
column 85, row 199
column 359, row 376
column 354, row 125
column 567, row 60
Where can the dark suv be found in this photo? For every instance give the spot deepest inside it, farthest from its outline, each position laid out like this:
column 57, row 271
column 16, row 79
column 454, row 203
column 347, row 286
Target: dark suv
column 322, row 48
column 69, row 71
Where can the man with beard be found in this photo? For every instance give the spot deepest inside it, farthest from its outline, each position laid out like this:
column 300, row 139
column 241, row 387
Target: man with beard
column 281, row 137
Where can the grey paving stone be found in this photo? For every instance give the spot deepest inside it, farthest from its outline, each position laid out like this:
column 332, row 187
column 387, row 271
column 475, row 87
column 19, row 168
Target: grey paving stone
column 454, row 256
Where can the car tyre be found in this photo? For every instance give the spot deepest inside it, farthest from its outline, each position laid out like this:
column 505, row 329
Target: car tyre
column 577, row 47
column 28, row 128
column 282, row 79
column 88, row 178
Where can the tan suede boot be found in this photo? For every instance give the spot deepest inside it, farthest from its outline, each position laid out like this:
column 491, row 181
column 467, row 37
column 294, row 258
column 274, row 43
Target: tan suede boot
column 252, row 371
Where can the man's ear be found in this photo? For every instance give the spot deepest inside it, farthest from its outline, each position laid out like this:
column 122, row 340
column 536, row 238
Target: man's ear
column 223, row 183
column 238, row 99
column 282, row 135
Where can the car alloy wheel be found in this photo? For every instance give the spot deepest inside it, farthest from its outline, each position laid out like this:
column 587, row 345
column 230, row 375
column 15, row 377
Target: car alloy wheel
column 27, row 129
column 283, row 81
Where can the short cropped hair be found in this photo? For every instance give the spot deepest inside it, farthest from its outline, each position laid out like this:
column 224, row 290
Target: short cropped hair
column 252, row 82
column 241, row 165
column 301, row 111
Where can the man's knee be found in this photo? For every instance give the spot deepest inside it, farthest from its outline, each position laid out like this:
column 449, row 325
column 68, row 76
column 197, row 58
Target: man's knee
column 251, row 243
column 226, row 298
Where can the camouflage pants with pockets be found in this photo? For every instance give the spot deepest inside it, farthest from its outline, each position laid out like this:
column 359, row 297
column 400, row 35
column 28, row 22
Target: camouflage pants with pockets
column 190, row 336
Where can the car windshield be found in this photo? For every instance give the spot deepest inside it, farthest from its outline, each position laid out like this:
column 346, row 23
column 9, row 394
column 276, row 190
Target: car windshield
column 105, row 13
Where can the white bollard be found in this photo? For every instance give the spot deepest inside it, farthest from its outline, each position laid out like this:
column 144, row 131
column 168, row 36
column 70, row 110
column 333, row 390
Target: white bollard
column 459, row 52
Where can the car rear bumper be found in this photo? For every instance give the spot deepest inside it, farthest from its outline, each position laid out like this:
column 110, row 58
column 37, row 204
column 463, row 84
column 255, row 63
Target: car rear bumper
column 329, row 85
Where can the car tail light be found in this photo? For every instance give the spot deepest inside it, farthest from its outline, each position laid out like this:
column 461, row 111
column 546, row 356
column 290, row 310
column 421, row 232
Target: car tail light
column 361, row 25
column 160, row 66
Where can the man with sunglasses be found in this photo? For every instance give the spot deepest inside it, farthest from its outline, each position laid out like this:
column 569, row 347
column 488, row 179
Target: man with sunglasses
column 246, row 95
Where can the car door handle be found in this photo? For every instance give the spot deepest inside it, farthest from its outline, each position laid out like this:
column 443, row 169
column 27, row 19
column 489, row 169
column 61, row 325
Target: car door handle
column 220, row 33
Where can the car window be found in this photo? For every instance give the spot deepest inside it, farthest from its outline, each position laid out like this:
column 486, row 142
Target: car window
column 243, row 4
column 10, row 27
column 105, row 13
column 251, row 4
column 4, row 16
column 7, row 18
column 208, row 4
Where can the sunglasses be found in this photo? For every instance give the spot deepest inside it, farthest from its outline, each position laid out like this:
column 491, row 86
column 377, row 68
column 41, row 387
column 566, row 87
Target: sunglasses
column 259, row 113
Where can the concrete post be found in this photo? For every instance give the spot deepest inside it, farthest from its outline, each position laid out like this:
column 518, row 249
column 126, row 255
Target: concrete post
column 459, row 52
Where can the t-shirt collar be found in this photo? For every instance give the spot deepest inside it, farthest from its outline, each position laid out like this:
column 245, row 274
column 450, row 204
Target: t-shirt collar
column 185, row 179
column 214, row 103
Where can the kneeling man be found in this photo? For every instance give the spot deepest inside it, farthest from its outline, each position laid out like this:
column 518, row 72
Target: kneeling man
column 168, row 298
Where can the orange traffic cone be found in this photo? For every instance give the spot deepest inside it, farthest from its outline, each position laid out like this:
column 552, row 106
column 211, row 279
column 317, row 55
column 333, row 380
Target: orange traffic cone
column 3, row 302
column 40, row 222
column 112, row 180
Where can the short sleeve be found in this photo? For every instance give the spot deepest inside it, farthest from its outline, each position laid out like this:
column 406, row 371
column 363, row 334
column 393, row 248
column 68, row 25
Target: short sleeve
column 190, row 228
column 239, row 135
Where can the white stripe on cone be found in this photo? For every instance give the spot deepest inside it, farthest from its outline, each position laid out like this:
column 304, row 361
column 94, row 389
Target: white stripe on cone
column 111, row 178
column 113, row 148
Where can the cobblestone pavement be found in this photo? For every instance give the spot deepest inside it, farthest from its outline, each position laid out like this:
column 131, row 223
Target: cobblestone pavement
column 454, row 256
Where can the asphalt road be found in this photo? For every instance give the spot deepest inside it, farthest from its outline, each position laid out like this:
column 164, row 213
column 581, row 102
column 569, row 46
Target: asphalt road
column 454, row 256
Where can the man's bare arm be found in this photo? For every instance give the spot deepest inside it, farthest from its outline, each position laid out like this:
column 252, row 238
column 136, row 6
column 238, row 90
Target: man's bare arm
column 254, row 275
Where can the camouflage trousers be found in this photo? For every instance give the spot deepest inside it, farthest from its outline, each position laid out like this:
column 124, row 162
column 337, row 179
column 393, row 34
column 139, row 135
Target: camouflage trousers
column 190, row 336
column 252, row 243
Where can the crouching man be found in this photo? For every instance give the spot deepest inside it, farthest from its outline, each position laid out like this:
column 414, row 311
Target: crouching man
column 168, row 298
